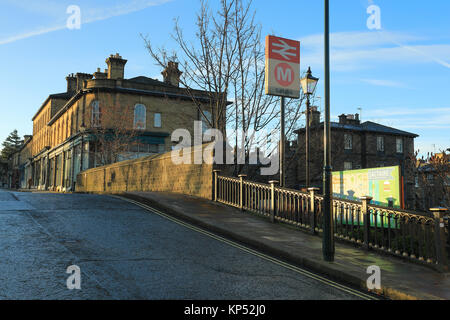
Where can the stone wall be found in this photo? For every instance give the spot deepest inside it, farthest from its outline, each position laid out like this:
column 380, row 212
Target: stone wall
column 153, row 173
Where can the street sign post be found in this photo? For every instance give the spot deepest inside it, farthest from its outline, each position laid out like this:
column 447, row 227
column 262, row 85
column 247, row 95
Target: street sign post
column 282, row 76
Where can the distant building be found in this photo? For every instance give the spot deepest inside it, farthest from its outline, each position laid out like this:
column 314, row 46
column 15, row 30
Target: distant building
column 64, row 128
column 3, row 173
column 20, row 171
column 432, row 182
column 356, row 145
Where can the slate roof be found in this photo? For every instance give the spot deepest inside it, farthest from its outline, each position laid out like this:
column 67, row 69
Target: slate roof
column 375, row 127
column 367, row 126
column 63, row 95
column 146, row 80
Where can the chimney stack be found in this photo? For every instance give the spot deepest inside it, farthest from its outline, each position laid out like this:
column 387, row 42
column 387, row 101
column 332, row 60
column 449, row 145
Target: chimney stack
column 81, row 77
column 116, row 66
column 349, row 119
column 314, row 117
column 171, row 74
column 71, row 83
column 100, row 75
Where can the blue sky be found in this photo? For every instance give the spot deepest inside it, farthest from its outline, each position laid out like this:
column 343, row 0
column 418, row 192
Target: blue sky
column 398, row 75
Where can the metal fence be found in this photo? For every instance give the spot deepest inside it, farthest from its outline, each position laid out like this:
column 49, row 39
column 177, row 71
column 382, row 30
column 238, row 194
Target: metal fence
column 416, row 236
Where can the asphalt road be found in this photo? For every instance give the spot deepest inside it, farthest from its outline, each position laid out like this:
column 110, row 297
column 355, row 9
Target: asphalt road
column 127, row 252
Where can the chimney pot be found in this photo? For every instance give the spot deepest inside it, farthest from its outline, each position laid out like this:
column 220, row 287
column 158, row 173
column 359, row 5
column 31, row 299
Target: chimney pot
column 171, row 74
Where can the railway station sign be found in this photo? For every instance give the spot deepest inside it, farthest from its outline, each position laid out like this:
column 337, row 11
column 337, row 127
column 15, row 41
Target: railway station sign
column 282, row 77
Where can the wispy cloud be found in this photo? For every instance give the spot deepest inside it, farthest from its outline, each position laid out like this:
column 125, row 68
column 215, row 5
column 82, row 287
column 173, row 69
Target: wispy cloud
column 353, row 39
column 411, row 119
column 399, row 111
column 384, row 83
column 363, row 50
column 30, row 34
column 88, row 15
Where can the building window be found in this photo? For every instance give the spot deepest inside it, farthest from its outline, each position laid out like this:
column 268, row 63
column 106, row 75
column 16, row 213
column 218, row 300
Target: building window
column 134, row 147
column 399, row 144
column 348, row 141
column 348, row 165
column 140, row 117
column 157, row 120
column 380, row 144
column 95, row 119
column 153, row 148
column 143, row 148
column 157, row 148
column 206, row 120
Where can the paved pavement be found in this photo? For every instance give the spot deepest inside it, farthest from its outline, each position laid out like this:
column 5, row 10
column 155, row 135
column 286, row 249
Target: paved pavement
column 126, row 252
column 399, row 279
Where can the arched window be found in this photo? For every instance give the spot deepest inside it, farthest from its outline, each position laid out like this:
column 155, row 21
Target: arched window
column 95, row 119
column 140, row 117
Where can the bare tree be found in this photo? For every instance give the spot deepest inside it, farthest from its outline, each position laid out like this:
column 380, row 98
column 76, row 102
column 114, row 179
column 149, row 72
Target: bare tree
column 113, row 129
column 433, row 180
column 226, row 59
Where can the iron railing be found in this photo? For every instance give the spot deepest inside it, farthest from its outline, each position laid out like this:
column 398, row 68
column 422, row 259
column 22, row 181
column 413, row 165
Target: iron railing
column 416, row 236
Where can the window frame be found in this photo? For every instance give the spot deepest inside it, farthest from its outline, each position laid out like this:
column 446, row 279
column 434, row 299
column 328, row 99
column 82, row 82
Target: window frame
column 348, row 137
column 144, row 115
column 206, row 118
column 95, row 114
column 397, row 140
column 380, row 138
column 346, row 167
column 160, row 120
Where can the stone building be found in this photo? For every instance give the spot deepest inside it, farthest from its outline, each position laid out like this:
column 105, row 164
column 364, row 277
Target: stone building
column 66, row 127
column 432, row 182
column 20, row 171
column 356, row 145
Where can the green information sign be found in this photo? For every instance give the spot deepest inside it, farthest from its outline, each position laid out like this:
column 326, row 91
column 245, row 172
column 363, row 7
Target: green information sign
column 382, row 184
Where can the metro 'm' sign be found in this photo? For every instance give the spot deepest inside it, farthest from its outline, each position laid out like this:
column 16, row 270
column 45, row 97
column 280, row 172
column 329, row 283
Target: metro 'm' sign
column 282, row 67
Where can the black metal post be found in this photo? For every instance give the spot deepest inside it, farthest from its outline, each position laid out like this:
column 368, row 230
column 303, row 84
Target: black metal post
column 328, row 233
column 282, row 145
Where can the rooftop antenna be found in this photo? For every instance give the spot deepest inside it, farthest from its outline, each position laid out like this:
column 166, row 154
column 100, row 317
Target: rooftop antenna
column 360, row 113
column 320, row 103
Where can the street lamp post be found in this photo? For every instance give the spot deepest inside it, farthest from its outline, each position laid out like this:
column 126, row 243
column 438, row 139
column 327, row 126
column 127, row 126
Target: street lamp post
column 309, row 84
column 328, row 233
